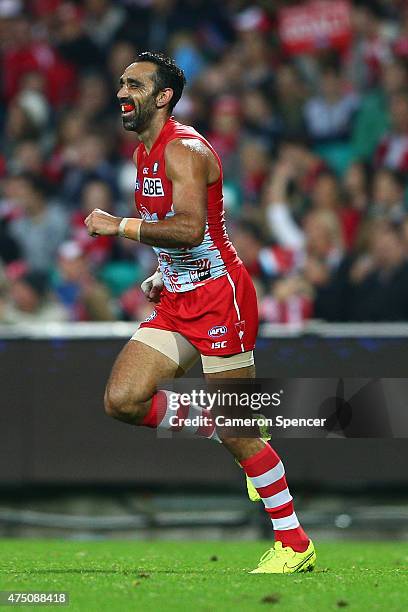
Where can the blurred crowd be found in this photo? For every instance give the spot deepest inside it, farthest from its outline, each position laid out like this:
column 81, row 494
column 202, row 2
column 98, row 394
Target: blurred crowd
column 314, row 147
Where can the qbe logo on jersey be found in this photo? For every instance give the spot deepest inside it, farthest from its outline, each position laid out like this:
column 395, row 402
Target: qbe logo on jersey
column 152, row 187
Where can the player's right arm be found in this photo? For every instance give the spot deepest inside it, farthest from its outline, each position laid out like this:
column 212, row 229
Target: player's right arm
column 190, row 168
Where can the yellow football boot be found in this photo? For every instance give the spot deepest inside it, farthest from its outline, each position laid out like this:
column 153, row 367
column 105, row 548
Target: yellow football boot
column 285, row 560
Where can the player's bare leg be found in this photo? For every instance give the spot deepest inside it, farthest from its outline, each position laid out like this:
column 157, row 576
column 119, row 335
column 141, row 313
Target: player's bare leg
column 241, row 448
column 293, row 550
column 132, row 394
column 133, row 382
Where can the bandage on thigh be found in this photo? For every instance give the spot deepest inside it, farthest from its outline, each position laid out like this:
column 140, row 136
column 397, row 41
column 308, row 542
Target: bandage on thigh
column 171, row 344
column 213, row 363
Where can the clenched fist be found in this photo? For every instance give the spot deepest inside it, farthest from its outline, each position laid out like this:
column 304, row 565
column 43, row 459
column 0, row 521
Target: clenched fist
column 101, row 223
column 153, row 286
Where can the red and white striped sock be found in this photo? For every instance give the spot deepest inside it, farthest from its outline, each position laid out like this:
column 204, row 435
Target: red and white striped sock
column 266, row 471
column 162, row 416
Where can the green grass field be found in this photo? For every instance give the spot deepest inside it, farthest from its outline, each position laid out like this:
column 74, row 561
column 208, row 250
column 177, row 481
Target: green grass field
column 122, row 576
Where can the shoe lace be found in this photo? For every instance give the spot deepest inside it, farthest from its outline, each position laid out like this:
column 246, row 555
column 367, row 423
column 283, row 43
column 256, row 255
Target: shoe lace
column 270, row 554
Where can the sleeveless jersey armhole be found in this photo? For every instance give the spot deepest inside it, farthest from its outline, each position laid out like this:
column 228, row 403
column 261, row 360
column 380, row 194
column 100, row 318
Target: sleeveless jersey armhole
column 209, row 146
column 221, row 176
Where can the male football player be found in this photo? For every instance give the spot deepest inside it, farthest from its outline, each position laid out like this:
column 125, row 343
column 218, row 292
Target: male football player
column 205, row 300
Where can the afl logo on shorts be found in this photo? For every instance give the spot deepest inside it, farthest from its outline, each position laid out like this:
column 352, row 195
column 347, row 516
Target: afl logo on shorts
column 151, row 316
column 152, row 187
column 217, row 331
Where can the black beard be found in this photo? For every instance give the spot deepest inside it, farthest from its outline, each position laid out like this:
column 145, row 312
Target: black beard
column 141, row 118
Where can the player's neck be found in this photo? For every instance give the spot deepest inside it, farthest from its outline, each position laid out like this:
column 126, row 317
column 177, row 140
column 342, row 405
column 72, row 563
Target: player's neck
column 149, row 136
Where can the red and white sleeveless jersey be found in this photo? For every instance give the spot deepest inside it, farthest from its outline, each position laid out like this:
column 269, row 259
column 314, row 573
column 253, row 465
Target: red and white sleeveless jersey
column 183, row 269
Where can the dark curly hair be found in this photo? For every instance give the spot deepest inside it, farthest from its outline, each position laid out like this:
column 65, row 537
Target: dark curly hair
column 168, row 74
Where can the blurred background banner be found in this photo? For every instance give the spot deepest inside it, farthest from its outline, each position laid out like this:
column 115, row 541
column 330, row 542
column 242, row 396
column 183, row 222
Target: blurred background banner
column 310, row 26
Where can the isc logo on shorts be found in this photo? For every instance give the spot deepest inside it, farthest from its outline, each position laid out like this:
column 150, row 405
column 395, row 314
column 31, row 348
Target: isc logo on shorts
column 217, row 331
column 219, row 344
column 152, row 187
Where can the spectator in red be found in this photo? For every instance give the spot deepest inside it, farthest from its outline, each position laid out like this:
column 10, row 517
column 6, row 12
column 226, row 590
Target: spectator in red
column 22, row 54
column 290, row 300
column 262, row 262
column 356, row 186
column 225, row 131
column 400, row 46
column 254, row 166
column 370, row 48
column 327, row 195
column 95, row 194
column 70, row 131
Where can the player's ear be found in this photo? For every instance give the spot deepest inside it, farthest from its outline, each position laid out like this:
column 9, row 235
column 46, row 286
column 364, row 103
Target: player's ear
column 164, row 97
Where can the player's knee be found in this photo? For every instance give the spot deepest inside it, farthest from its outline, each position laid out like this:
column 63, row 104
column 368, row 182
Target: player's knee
column 114, row 402
column 119, row 404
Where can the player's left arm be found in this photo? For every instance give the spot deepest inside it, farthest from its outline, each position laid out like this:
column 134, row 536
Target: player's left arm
column 188, row 168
